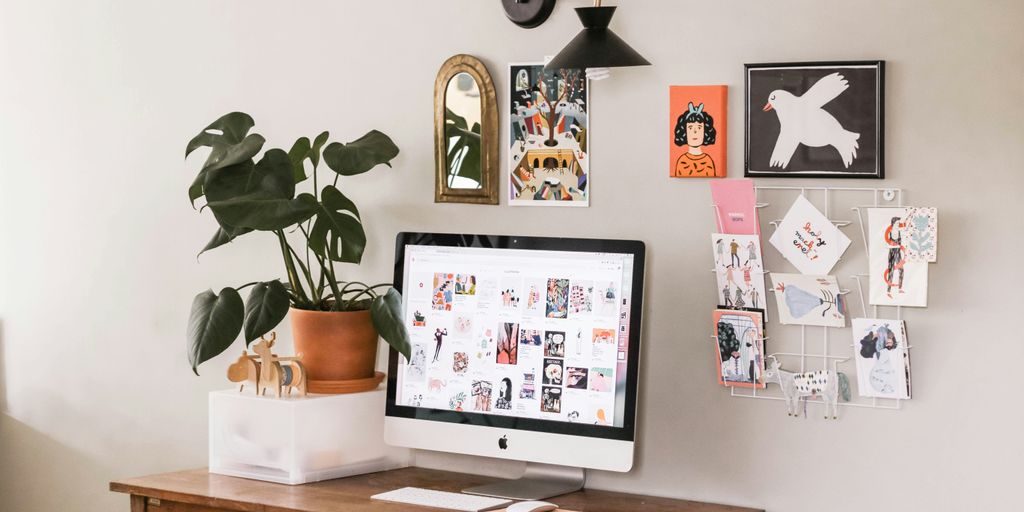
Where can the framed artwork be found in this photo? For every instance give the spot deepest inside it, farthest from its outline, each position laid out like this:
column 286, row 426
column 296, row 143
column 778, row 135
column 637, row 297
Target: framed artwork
column 895, row 278
column 739, row 269
column 815, row 120
column 809, row 300
column 739, row 339
column 697, row 131
column 736, row 206
column 548, row 157
column 808, row 239
column 883, row 361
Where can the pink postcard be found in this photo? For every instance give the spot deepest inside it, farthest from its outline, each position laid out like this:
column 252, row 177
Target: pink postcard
column 735, row 207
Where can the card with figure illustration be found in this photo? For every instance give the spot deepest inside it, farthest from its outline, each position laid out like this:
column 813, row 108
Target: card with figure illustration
column 697, row 131
column 883, row 361
column 739, row 339
column 739, row 269
column 895, row 279
column 809, row 300
column 808, row 239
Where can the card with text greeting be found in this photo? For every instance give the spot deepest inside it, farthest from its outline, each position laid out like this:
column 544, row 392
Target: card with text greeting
column 808, row 239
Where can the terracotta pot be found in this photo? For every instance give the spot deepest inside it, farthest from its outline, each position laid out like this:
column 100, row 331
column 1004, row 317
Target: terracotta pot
column 335, row 345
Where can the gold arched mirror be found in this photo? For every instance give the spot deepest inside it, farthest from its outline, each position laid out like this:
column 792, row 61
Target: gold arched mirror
column 465, row 133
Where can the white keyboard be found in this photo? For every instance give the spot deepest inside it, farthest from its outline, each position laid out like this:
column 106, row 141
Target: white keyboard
column 441, row 499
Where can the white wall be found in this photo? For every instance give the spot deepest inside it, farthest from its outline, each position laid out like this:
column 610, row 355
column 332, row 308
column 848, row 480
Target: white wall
column 98, row 98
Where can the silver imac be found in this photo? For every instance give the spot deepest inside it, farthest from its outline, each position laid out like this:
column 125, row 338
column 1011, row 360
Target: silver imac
column 523, row 348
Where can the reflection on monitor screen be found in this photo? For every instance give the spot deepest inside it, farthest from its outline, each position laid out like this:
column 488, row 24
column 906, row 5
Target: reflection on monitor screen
column 528, row 334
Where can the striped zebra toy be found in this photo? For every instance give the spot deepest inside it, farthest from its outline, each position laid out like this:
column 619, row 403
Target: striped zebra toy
column 830, row 385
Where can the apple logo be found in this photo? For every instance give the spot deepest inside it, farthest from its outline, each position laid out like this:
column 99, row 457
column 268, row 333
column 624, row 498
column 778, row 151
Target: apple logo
column 503, row 443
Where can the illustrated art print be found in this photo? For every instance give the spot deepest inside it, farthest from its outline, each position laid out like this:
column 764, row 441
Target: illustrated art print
column 883, row 361
column 697, row 131
column 809, row 300
column 895, row 278
column 548, row 128
column 739, row 268
column 739, row 337
column 815, row 120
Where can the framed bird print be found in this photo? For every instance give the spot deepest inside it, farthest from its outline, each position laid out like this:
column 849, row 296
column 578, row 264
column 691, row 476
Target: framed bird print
column 815, row 120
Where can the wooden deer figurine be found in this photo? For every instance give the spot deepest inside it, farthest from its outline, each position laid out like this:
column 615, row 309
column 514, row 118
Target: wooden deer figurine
column 245, row 370
column 279, row 373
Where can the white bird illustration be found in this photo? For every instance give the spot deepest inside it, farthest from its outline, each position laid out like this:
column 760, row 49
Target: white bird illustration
column 803, row 121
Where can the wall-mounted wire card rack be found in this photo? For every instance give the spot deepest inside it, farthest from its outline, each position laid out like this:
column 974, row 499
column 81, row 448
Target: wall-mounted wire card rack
column 807, row 348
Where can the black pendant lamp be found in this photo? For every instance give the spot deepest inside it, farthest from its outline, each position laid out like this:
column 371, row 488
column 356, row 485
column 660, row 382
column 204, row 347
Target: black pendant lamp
column 596, row 46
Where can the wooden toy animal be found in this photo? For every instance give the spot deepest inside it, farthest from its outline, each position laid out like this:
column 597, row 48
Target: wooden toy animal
column 245, row 370
column 279, row 373
column 831, row 385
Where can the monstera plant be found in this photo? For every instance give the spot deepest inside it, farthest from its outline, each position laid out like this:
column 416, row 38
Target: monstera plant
column 463, row 147
column 314, row 230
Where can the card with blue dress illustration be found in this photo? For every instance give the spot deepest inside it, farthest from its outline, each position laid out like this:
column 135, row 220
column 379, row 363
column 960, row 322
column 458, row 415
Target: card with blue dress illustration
column 883, row 361
column 739, row 268
column 809, row 300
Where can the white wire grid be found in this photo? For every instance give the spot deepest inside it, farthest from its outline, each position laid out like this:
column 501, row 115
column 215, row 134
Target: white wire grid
column 879, row 197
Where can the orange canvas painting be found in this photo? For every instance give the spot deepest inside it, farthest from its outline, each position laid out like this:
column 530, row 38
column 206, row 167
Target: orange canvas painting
column 697, row 131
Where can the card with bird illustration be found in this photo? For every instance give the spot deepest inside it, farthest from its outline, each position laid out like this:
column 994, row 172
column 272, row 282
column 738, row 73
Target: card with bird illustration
column 697, row 131
column 815, row 120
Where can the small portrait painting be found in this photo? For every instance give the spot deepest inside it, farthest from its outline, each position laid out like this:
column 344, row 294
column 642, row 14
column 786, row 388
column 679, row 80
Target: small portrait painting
column 697, row 134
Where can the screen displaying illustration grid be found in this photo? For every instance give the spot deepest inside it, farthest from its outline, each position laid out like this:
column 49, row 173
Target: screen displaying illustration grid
column 533, row 334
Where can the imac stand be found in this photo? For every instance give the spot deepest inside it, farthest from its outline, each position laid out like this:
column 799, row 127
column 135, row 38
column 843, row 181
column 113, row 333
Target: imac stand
column 539, row 481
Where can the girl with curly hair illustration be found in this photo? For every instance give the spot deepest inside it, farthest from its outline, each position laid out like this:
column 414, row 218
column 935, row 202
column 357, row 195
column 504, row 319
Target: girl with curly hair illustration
column 695, row 128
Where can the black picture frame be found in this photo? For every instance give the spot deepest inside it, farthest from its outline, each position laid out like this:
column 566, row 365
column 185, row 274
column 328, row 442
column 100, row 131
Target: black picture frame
column 859, row 109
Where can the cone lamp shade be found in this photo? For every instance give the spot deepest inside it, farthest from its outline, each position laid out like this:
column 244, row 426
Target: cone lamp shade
column 596, row 46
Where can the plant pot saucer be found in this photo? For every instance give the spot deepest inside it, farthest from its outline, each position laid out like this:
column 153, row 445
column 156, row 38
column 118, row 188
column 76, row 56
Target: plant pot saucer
column 339, row 387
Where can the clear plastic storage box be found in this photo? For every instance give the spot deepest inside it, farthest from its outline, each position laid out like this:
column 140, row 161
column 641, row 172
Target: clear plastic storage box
column 301, row 439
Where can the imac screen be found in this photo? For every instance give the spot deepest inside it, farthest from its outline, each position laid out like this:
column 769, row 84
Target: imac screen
column 533, row 334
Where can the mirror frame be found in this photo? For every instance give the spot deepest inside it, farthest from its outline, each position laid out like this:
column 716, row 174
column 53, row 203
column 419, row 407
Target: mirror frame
column 488, row 191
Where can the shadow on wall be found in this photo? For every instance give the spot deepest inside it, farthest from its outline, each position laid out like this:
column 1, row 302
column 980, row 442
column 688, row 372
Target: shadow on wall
column 39, row 474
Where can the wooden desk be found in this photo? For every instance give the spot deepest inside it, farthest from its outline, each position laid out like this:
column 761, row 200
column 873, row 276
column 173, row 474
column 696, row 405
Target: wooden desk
column 199, row 491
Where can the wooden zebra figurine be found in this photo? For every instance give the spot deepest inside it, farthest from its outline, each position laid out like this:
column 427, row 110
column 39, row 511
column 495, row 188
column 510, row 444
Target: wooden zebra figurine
column 831, row 385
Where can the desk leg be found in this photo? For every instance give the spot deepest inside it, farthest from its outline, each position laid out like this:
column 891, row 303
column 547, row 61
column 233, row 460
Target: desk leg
column 138, row 503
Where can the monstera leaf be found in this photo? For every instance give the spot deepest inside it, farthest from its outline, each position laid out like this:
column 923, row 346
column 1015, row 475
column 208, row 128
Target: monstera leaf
column 463, row 147
column 213, row 324
column 266, row 306
column 258, row 196
column 386, row 313
column 230, row 145
column 224, row 236
column 337, row 233
column 303, row 150
column 360, row 155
